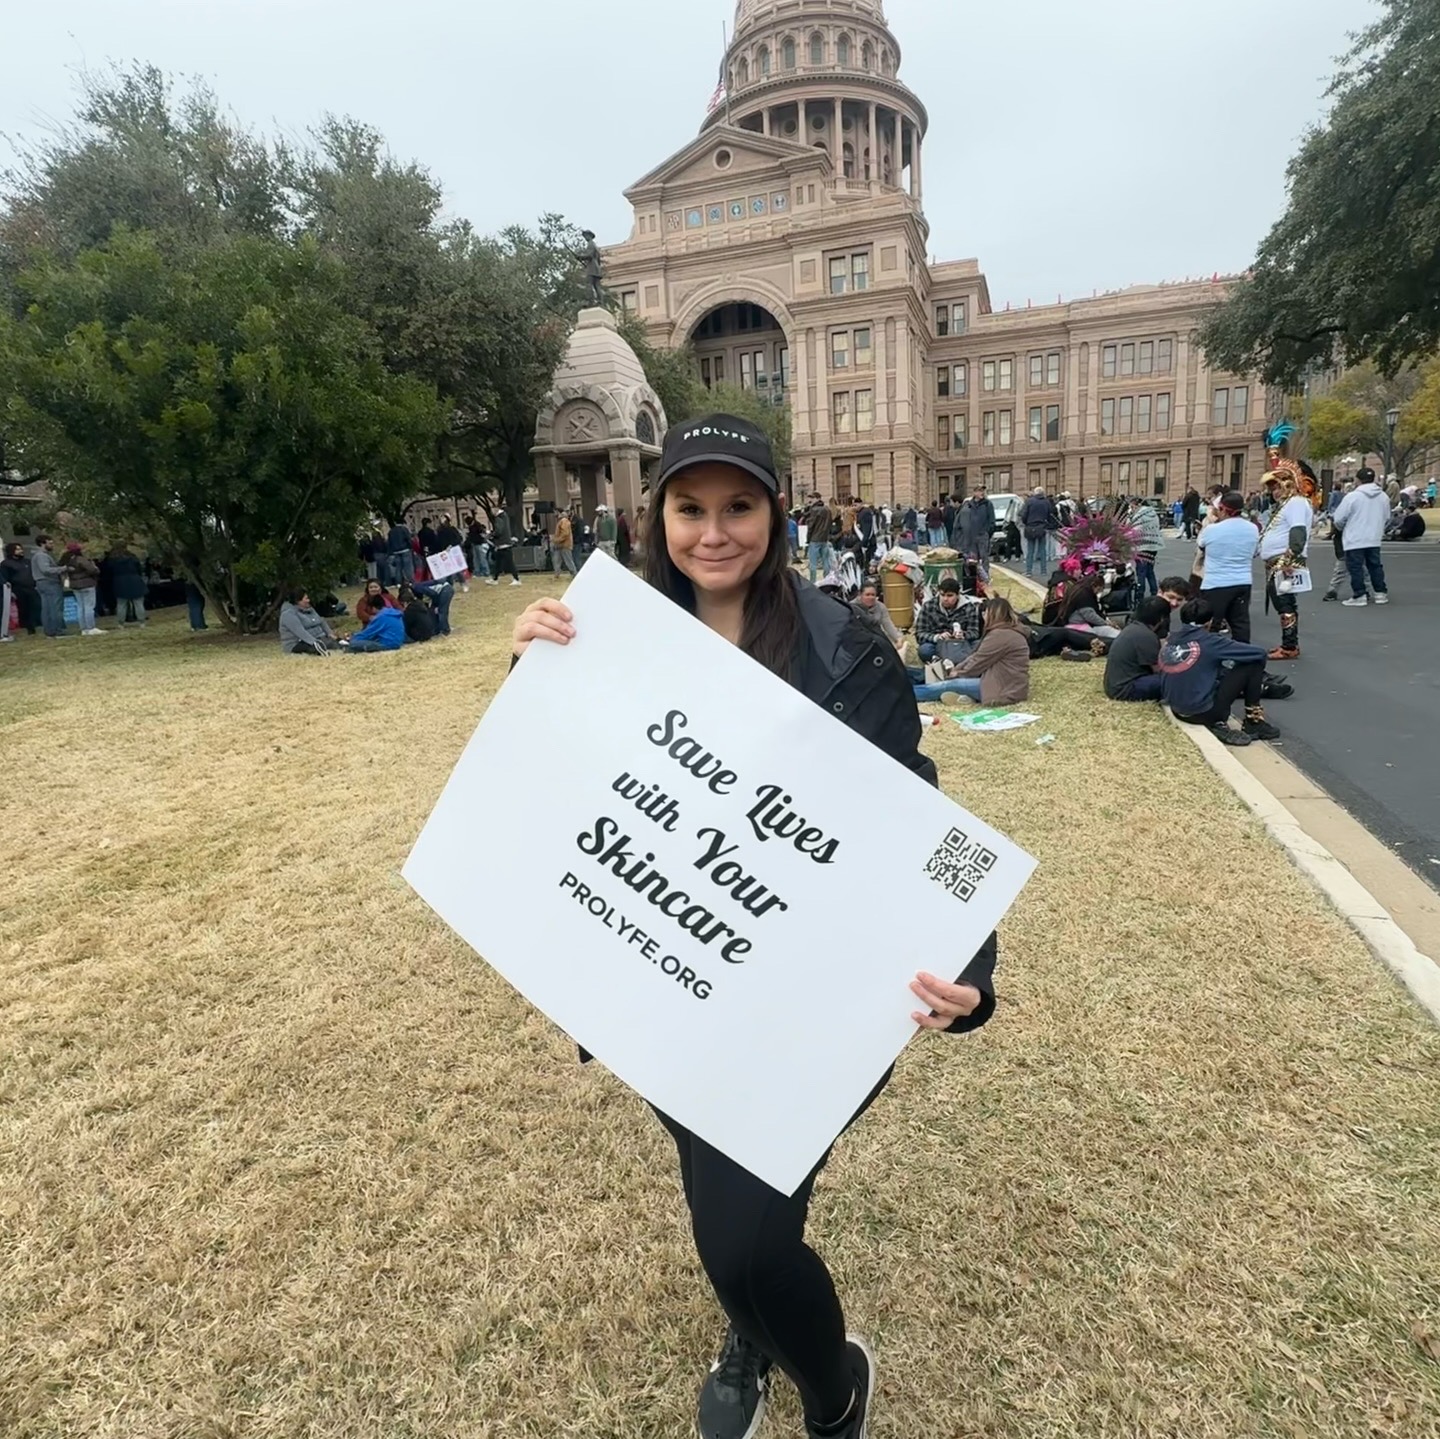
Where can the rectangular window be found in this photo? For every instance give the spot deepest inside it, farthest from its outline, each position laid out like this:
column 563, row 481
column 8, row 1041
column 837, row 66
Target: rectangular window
column 942, row 320
column 1142, row 415
column 1037, row 423
column 1164, row 357
column 747, row 370
column 1162, row 469
column 628, row 301
column 1237, row 471
column 840, row 350
column 839, row 275
column 1035, row 478
column 1147, row 357
column 942, row 382
column 961, row 316
column 1240, row 405
column 1108, row 361
column 942, row 434
column 1052, row 423
column 864, row 354
column 864, row 411
column 987, row 377
column 719, row 369
column 1007, row 427
column 840, row 412
column 1037, row 371
column 962, row 381
column 1127, row 360
column 987, row 428
column 1220, row 409
column 1007, row 374
column 865, row 481
column 784, row 353
column 1217, row 469
column 860, row 271
column 705, row 373
column 842, row 483
column 962, row 431
column 1162, row 412
column 1142, row 473
column 1127, row 414
column 1052, row 478
column 1107, row 417
column 1123, row 476
column 1107, row 478
column 1052, row 368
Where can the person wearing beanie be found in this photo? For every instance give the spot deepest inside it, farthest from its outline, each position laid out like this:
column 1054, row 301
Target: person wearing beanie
column 1229, row 546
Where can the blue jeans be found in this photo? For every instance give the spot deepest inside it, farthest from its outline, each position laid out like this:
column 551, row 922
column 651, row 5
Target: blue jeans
column 1037, row 553
column 196, row 603
column 52, row 609
column 1145, row 576
column 926, row 694
column 366, row 647
column 1147, row 687
column 85, row 609
column 480, row 560
column 821, row 555
column 440, row 592
column 402, row 566
column 937, row 538
column 1357, row 562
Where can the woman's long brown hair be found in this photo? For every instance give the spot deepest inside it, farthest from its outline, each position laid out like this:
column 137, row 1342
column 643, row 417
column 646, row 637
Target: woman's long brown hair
column 771, row 629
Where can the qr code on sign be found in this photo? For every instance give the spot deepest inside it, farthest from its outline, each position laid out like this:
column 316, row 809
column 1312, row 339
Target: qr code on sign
column 960, row 864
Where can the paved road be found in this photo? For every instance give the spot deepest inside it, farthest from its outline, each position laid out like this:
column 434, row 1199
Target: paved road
column 1365, row 720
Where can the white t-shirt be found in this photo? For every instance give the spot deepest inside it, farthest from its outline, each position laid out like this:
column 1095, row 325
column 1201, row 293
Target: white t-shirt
column 1296, row 514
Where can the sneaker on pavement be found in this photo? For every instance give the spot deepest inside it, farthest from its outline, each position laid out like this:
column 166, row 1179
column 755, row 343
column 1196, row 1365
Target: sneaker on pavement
column 1260, row 729
column 1329, row 595
column 1274, row 689
column 862, row 1364
column 732, row 1403
column 1232, row 737
column 1356, row 604
column 1382, row 597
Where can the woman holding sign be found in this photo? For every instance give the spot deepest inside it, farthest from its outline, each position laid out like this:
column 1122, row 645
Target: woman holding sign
column 718, row 546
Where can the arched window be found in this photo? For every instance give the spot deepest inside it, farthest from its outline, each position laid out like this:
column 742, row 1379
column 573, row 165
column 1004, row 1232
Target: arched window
column 849, row 161
column 763, row 61
column 744, row 71
column 887, row 65
column 842, row 51
column 817, row 49
column 867, row 56
column 645, row 428
column 787, row 55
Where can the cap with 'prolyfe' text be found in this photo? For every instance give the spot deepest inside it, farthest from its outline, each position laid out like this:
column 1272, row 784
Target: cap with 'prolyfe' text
column 719, row 440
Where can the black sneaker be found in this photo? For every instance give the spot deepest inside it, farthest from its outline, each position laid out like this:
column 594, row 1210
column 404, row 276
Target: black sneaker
column 1274, row 689
column 1077, row 657
column 1328, row 596
column 862, row 1364
column 1261, row 729
column 1232, row 737
column 732, row 1403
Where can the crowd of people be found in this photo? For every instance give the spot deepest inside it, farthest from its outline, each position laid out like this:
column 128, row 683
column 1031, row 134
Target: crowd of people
column 41, row 579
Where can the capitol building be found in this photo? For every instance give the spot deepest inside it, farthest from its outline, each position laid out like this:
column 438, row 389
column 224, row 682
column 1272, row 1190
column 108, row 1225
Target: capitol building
column 787, row 244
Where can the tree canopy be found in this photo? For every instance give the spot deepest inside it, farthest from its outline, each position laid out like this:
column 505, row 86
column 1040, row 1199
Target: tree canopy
column 1351, row 418
column 1352, row 269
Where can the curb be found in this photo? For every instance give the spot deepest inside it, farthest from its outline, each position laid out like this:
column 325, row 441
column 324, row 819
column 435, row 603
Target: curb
column 1358, row 907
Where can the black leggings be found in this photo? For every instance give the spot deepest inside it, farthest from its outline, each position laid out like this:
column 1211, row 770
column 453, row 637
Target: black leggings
column 774, row 1288
column 1231, row 605
column 1241, row 681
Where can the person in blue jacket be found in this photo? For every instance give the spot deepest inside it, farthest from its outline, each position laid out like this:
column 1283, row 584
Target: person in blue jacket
column 1203, row 672
column 385, row 632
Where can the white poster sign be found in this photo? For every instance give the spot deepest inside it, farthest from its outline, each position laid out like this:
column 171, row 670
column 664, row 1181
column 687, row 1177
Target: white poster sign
column 446, row 563
column 683, row 894
column 5, row 602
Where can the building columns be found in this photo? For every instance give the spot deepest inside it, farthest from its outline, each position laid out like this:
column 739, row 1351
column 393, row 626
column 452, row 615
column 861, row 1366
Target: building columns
column 874, row 172
column 804, row 125
column 765, row 121
column 839, row 146
column 917, row 181
column 626, row 476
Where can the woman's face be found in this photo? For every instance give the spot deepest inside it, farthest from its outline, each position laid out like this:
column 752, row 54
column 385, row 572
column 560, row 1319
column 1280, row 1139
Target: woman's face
column 372, row 589
column 717, row 527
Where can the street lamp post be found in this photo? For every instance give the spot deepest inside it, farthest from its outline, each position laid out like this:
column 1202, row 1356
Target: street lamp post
column 1392, row 418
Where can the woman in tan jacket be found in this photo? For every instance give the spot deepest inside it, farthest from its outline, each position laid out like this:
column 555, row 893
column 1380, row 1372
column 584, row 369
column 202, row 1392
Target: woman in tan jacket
column 999, row 670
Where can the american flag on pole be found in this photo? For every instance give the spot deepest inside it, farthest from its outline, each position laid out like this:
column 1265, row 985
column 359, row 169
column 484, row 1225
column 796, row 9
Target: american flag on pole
column 721, row 92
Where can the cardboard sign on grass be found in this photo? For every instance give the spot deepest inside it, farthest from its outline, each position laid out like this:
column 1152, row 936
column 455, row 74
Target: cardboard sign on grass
column 703, row 877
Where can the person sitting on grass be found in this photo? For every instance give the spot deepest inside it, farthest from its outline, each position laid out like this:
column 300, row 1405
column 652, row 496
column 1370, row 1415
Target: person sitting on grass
column 1130, row 672
column 870, row 611
column 1204, row 672
column 943, row 617
column 437, row 594
column 302, row 631
column 374, row 599
column 386, row 631
column 998, row 673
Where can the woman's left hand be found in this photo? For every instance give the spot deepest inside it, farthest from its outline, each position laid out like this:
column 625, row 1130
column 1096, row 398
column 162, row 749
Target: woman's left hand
column 948, row 1002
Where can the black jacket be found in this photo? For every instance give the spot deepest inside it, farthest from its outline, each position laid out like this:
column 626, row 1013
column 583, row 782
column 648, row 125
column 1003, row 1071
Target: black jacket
column 17, row 574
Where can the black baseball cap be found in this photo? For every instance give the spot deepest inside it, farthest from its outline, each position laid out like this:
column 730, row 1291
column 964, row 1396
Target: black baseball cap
column 719, row 440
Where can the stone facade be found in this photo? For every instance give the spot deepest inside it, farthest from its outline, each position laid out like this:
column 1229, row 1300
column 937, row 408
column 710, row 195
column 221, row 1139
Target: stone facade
column 788, row 244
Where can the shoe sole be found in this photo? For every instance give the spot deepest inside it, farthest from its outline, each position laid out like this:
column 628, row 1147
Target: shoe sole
column 863, row 1345
column 755, row 1423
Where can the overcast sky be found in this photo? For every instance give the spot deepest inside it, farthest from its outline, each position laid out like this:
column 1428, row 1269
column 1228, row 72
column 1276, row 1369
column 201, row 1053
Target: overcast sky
column 1072, row 147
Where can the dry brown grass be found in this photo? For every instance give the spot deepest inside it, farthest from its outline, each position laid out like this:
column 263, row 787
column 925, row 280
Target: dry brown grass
column 279, row 1159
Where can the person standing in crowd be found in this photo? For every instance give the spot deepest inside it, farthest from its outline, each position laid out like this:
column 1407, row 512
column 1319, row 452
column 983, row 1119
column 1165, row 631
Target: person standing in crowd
column 792, row 531
column 1361, row 521
column 1131, row 667
column 819, row 555
column 1203, row 673
column 865, row 526
column 82, row 574
column 1285, row 547
column 606, row 530
column 910, row 523
column 195, row 604
column 1146, row 522
column 448, row 537
column 50, row 585
column 1190, row 512
column 717, row 548
column 624, row 546
column 974, row 531
column 935, row 526
column 429, row 540
column 16, row 571
column 399, row 553
column 1229, row 546
column 562, row 545
column 949, row 513
column 503, row 540
column 372, row 553
column 476, row 547
column 1038, row 521
column 302, row 631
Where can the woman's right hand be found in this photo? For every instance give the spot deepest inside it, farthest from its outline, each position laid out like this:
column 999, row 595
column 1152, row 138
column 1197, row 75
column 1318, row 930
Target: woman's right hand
column 544, row 620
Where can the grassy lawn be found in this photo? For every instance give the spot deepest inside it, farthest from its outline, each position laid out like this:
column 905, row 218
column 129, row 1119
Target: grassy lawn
column 279, row 1159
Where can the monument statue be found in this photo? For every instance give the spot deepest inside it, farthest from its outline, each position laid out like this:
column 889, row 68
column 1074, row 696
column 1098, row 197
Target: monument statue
column 594, row 267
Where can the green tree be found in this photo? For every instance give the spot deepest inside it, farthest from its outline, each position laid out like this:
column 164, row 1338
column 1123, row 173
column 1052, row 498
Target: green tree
column 229, row 407
column 1352, row 417
column 1352, row 267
